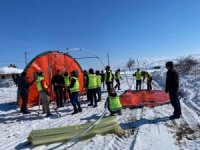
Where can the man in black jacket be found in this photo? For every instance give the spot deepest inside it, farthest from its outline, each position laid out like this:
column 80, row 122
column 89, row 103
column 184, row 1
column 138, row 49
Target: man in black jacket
column 108, row 78
column 23, row 89
column 172, row 85
column 58, row 85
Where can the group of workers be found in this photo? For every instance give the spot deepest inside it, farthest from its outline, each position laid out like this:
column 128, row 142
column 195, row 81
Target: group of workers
column 141, row 76
column 66, row 88
column 68, row 84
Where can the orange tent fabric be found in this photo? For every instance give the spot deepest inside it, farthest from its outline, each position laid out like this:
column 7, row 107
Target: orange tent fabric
column 48, row 62
column 143, row 98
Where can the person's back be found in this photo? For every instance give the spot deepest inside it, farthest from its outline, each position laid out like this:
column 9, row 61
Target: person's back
column 23, row 89
column 172, row 79
column 58, row 84
column 59, row 80
column 113, row 102
column 138, row 77
column 172, row 85
column 23, row 85
column 102, row 76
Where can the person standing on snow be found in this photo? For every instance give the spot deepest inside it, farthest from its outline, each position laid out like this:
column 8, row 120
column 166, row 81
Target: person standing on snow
column 117, row 79
column 138, row 77
column 92, row 87
column 74, row 89
column 58, row 83
column 66, row 91
column 103, row 78
column 85, row 75
column 98, row 85
column 113, row 103
column 23, row 89
column 172, row 86
column 149, row 78
column 108, row 78
column 43, row 92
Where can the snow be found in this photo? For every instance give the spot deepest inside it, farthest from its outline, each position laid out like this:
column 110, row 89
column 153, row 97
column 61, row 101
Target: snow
column 9, row 70
column 146, row 128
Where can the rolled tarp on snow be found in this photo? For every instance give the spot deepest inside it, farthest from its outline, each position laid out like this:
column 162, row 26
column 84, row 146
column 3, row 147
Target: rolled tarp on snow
column 48, row 62
column 144, row 98
column 107, row 125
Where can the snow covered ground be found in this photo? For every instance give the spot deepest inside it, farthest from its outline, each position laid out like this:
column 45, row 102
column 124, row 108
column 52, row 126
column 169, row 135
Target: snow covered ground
column 146, row 128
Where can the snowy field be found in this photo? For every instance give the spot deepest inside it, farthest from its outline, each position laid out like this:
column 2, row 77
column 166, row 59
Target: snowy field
column 146, row 128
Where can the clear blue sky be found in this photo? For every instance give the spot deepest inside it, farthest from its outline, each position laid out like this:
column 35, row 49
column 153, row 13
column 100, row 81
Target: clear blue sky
column 124, row 28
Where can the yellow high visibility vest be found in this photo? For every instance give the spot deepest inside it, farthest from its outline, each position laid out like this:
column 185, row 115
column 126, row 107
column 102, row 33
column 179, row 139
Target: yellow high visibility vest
column 117, row 75
column 92, row 81
column 148, row 76
column 110, row 78
column 38, row 84
column 138, row 75
column 98, row 80
column 76, row 85
column 114, row 103
column 67, row 80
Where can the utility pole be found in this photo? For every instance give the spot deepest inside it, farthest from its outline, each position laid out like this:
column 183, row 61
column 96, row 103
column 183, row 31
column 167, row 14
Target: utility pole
column 67, row 50
column 25, row 53
column 108, row 59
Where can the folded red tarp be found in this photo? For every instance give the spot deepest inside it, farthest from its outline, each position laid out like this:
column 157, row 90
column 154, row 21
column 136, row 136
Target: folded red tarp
column 144, row 98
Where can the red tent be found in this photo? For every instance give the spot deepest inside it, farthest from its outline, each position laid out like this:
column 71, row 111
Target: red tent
column 143, row 98
column 48, row 62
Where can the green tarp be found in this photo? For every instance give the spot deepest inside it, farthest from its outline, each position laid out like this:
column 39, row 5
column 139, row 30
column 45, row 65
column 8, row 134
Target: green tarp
column 107, row 125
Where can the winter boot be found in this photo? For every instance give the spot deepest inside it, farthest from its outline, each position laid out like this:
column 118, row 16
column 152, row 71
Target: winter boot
column 90, row 104
column 79, row 108
column 75, row 111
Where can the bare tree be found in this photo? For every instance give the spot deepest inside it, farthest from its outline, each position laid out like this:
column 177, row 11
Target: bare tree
column 185, row 65
column 130, row 63
column 12, row 66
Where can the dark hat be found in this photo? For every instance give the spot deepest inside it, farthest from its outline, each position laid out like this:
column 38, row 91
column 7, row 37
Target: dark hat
column 23, row 74
column 66, row 73
column 40, row 73
column 169, row 64
column 97, row 72
column 107, row 68
column 91, row 71
column 73, row 73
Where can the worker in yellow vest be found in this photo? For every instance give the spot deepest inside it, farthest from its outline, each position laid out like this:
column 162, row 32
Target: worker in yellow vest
column 108, row 78
column 66, row 91
column 149, row 78
column 74, row 89
column 138, row 77
column 117, row 79
column 113, row 103
column 98, row 85
column 92, row 87
column 43, row 93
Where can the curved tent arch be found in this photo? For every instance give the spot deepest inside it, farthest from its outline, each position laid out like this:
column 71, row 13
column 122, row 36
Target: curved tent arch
column 48, row 62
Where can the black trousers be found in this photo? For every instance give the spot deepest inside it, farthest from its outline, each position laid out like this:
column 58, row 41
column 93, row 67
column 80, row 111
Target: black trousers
column 92, row 96
column 109, row 86
column 173, row 95
column 138, row 85
column 149, row 87
column 59, row 97
column 118, row 84
column 24, row 97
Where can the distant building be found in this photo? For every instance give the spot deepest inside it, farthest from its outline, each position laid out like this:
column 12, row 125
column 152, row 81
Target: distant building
column 6, row 72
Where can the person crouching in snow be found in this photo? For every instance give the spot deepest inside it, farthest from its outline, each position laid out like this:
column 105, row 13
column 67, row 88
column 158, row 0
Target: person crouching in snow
column 43, row 92
column 113, row 103
column 74, row 89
